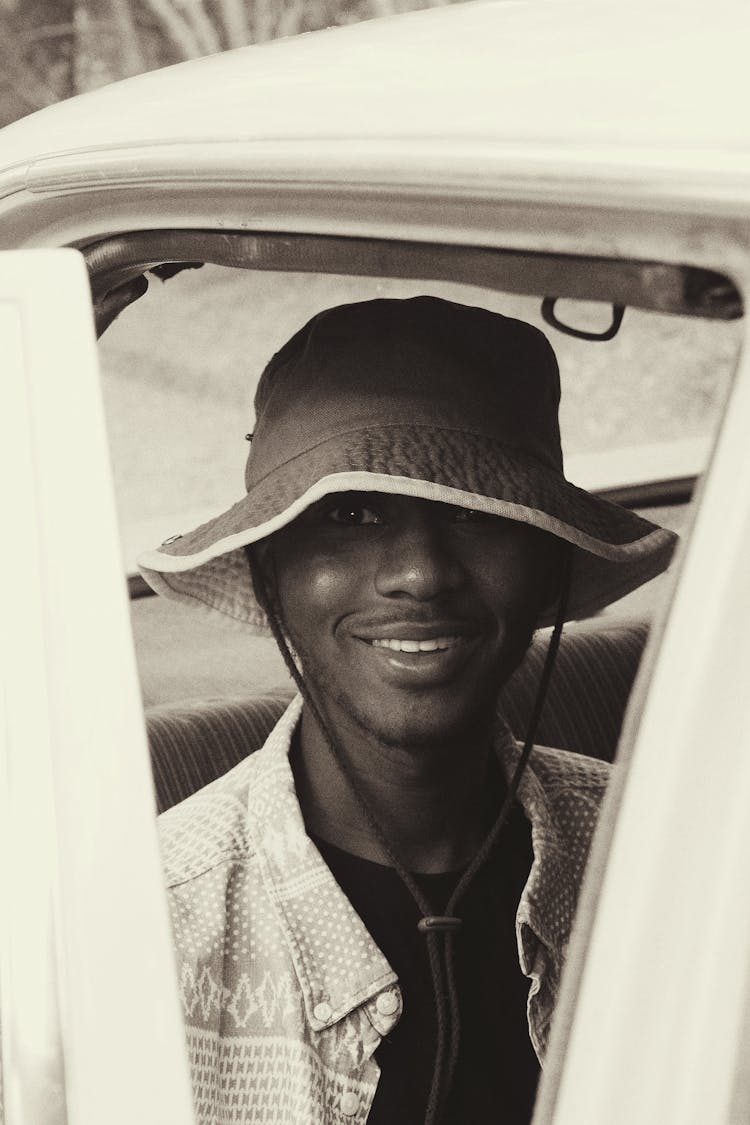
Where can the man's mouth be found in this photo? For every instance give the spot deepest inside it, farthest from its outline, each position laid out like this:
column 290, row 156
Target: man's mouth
column 434, row 644
column 423, row 654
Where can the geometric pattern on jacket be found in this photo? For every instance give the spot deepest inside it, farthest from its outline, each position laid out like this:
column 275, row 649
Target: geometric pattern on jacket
column 285, row 995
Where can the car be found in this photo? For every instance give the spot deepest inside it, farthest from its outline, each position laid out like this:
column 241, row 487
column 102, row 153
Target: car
column 580, row 164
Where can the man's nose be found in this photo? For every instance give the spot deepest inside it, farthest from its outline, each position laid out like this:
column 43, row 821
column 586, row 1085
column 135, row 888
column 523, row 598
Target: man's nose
column 417, row 561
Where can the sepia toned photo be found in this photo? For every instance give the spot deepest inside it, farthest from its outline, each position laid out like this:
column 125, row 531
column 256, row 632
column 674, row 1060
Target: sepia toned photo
column 375, row 569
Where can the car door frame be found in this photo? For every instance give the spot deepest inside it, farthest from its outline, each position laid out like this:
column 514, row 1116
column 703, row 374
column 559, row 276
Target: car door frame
column 91, row 1023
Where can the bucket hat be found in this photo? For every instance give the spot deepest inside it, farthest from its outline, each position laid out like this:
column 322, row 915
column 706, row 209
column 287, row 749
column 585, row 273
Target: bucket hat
column 420, row 397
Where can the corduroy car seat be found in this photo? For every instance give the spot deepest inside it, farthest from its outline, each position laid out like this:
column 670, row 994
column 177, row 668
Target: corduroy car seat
column 192, row 744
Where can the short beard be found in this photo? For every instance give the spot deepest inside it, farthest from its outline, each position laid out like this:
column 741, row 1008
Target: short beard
column 468, row 727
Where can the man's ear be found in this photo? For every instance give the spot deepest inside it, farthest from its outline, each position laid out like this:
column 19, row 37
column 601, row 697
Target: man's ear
column 552, row 571
column 259, row 553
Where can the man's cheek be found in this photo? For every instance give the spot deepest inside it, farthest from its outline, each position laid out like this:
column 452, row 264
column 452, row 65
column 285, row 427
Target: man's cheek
column 325, row 585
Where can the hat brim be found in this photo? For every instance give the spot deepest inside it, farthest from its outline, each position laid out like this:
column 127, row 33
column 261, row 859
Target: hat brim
column 615, row 551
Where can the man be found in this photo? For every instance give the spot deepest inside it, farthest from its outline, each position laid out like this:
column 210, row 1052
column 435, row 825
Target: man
column 351, row 903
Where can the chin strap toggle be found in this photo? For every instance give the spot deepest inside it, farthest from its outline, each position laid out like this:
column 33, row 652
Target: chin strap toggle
column 438, row 923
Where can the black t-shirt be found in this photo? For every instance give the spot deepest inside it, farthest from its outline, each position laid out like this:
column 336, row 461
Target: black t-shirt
column 497, row 1070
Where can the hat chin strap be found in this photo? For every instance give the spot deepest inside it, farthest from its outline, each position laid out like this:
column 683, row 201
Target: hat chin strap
column 438, row 930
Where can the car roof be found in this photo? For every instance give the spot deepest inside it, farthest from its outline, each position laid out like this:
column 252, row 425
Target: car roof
column 654, row 77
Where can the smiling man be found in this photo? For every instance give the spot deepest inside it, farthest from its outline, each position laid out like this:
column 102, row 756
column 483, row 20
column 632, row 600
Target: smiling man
column 371, row 912
column 408, row 613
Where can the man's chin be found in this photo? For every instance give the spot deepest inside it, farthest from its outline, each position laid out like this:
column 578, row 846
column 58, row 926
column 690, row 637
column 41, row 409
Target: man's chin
column 411, row 710
column 426, row 722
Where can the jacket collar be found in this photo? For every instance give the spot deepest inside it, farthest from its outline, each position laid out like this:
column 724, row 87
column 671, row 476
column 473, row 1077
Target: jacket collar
column 560, row 793
column 338, row 965
column 337, row 976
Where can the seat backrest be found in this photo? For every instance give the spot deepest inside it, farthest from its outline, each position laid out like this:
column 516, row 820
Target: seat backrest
column 192, row 744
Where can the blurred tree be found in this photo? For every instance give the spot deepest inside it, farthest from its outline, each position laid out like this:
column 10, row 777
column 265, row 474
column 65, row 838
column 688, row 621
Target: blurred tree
column 107, row 43
column 50, row 49
column 36, row 54
column 117, row 36
column 187, row 25
column 235, row 21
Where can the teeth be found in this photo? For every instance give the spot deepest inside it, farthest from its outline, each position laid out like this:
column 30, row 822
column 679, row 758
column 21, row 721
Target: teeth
column 433, row 645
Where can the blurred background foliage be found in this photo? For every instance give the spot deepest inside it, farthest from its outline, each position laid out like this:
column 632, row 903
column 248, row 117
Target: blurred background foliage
column 53, row 49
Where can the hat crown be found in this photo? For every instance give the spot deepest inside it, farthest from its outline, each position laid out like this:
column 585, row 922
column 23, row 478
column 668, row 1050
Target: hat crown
column 419, row 362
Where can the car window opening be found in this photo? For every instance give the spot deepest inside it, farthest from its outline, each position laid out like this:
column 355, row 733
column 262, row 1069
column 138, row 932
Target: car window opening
column 191, row 391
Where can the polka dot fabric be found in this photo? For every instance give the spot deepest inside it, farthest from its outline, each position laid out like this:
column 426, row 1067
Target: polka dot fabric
column 280, row 980
column 561, row 794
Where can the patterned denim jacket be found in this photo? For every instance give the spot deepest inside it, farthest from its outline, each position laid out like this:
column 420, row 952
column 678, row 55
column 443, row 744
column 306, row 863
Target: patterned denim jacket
column 286, row 997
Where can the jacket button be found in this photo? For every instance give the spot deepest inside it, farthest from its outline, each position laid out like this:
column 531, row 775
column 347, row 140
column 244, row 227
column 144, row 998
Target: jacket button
column 387, row 1003
column 349, row 1104
column 322, row 1011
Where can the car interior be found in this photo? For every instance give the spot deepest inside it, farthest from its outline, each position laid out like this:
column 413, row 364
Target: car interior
column 211, row 697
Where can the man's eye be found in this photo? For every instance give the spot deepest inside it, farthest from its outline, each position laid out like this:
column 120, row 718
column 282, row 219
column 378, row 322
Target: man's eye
column 470, row 515
column 353, row 515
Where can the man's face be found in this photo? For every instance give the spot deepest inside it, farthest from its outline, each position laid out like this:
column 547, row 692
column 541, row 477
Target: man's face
column 407, row 615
